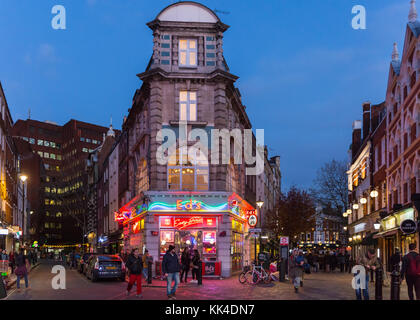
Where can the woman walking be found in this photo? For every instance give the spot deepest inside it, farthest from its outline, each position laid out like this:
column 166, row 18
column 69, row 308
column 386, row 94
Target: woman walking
column 195, row 266
column 296, row 262
column 185, row 263
column 22, row 269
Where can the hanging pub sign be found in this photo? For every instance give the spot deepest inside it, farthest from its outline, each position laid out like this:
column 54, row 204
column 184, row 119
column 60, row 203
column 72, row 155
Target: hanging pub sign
column 252, row 220
column 408, row 226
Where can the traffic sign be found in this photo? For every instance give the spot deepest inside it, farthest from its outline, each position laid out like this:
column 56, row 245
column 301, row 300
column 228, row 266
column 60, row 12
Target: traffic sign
column 252, row 220
column 284, row 241
column 255, row 230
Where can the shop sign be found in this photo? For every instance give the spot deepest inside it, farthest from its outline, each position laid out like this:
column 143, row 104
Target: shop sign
column 408, row 226
column 184, row 223
column 137, row 226
column 390, row 224
column 4, row 231
column 284, row 241
column 187, row 205
column 359, row 227
column 252, row 220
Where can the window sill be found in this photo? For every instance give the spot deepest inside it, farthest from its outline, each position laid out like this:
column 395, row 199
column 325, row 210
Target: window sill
column 192, row 123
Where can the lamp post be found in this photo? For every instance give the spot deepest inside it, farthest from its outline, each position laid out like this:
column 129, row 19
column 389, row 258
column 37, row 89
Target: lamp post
column 23, row 178
column 260, row 203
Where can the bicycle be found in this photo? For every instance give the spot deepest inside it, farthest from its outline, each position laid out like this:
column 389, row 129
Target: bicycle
column 242, row 278
column 257, row 275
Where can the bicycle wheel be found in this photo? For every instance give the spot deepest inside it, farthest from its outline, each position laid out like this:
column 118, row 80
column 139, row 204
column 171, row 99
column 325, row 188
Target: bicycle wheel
column 251, row 278
column 242, row 278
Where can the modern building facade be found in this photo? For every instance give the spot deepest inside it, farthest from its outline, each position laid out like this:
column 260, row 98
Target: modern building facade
column 64, row 150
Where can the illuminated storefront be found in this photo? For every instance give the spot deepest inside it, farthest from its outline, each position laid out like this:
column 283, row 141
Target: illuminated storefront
column 214, row 223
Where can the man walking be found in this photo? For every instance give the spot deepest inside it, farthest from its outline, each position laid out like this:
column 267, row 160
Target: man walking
column 171, row 267
column 145, row 260
column 135, row 266
column 395, row 260
column 411, row 271
column 296, row 262
column 370, row 262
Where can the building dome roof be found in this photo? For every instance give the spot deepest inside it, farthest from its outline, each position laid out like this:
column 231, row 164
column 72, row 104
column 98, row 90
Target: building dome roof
column 188, row 11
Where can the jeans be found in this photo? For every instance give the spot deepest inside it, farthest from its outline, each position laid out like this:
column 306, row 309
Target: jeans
column 296, row 282
column 134, row 278
column 145, row 273
column 365, row 291
column 172, row 277
column 25, row 276
column 413, row 283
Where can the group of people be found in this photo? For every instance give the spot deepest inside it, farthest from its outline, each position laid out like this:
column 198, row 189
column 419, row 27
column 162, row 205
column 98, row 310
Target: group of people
column 408, row 267
column 20, row 264
column 174, row 268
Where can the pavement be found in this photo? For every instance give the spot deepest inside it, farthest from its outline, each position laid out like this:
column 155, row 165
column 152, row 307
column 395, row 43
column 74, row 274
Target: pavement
column 317, row 286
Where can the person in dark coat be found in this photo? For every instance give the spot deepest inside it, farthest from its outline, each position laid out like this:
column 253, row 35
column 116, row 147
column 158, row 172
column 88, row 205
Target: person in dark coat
column 395, row 260
column 185, row 263
column 196, row 264
column 411, row 271
column 135, row 265
column 171, row 268
column 341, row 261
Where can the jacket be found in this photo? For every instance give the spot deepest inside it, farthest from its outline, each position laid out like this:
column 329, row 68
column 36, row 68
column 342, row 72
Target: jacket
column 186, row 260
column 135, row 265
column 406, row 263
column 295, row 269
column 170, row 263
column 365, row 261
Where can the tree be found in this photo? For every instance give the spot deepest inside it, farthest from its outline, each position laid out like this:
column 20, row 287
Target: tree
column 330, row 185
column 295, row 214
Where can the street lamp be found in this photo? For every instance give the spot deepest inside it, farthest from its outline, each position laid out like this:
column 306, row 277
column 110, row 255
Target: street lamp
column 374, row 194
column 259, row 203
column 349, row 211
column 355, row 206
column 363, row 200
column 23, row 178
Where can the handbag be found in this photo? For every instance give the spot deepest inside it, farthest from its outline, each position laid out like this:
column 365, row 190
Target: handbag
column 21, row 270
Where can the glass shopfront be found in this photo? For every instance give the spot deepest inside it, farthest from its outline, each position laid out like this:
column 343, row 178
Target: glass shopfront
column 194, row 232
column 237, row 245
column 134, row 234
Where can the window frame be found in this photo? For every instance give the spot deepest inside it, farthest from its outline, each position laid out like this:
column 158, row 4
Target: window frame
column 188, row 51
column 188, row 104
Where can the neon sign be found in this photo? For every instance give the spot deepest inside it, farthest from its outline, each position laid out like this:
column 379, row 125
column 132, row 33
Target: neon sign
column 182, row 223
column 188, row 205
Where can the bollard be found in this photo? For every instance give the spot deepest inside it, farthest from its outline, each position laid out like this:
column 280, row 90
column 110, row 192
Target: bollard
column 395, row 285
column 378, row 283
column 149, row 273
column 199, row 274
column 282, row 273
column 372, row 276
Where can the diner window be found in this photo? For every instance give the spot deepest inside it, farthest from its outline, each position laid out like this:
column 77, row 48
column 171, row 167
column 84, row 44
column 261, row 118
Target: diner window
column 187, row 52
column 187, row 106
column 185, row 173
column 166, row 239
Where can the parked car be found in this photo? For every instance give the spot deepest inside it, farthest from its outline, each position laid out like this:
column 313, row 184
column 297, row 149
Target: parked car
column 82, row 262
column 105, row 266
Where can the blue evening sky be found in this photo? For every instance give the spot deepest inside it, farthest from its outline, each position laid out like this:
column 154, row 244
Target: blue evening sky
column 304, row 72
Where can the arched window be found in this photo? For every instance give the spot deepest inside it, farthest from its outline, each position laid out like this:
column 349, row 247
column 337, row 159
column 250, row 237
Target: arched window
column 188, row 170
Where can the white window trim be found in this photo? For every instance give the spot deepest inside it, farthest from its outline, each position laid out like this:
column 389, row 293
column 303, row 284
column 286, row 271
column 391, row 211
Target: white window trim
column 188, row 102
column 187, row 52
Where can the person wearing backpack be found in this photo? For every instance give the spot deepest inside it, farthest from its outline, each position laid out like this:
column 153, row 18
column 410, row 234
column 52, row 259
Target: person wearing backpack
column 411, row 271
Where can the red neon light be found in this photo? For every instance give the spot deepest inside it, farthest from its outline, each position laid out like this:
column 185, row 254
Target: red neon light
column 136, row 227
column 166, row 222
column 182, row 223
column 118, row 216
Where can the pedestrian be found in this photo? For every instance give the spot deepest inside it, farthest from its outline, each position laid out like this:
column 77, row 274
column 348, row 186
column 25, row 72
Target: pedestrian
column 315, row 260
column 296, row 262
column 334, row 261
column 347, row 261
column 396, row 260
column 310, row 259
column 135, row 265
column 22, row 269
column 4, row 255
column 145, row 260
column 327, row 261
column 370, row 262
column 185, row 263
column 411, row 271
column 341, row 260
column 195, row 266
column 170, row 268
column 12, row 261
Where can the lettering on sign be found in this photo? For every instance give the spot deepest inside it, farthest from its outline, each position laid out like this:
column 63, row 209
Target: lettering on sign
column 185, row 223
column 189, row 205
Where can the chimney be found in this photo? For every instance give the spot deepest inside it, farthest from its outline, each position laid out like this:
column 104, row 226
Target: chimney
column 366, row 119
column 357, row 137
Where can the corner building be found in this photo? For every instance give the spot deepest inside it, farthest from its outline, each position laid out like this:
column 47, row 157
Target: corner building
column 185, row 203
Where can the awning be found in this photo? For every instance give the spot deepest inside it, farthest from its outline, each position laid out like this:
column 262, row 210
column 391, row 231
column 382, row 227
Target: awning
column 386, row 233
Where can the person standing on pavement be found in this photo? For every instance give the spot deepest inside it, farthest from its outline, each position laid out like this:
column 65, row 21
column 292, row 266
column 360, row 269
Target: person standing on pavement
column 396, row 260
column 411, row 271
column 347, row 261
column 171, row 268
column 195, row 262
column 22, row 268
column 185, row 263
column 341, row 260
column 135, row 265
column 145, row 260
column 12, row 261
column 370, row 262
column 296, row 262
